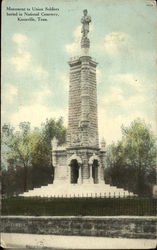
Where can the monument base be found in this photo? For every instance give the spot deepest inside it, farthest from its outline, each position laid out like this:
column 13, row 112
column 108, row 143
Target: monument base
column 67, row 190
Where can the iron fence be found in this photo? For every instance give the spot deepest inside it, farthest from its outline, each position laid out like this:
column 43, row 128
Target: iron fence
column 83, row 206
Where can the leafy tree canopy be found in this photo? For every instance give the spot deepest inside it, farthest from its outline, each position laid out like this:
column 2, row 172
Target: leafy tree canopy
column 31, row 149
column 131, row 161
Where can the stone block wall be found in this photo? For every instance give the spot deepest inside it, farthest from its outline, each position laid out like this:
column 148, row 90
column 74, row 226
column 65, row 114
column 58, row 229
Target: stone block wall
column 106, row 226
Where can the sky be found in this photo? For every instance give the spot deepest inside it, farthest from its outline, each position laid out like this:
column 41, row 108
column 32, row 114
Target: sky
column 35, row 55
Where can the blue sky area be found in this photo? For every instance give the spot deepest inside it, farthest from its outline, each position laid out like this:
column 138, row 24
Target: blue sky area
column 35, row 56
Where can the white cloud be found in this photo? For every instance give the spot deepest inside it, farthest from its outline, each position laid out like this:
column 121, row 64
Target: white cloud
column 41, row 94
column 9, row 93
column 36, row 114
column 77, row 34
column 22, row 60
column 117, row 97
column 22, row 57
column 110, row 127
column 115, row 40
column 73, row 48
column 36, row 111
column 65, row 81
column 99, row 76
column 134, row 101
column 126, row 93
column 129, row 79
column 20, row 39
column 9, row 97
column 122, row 103
column 40, row 71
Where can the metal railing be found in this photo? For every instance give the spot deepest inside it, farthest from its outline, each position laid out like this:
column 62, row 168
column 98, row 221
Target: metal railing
column 92, row 206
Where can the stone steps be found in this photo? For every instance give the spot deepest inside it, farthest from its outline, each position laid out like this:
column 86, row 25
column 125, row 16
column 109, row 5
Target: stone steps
column 77, row 190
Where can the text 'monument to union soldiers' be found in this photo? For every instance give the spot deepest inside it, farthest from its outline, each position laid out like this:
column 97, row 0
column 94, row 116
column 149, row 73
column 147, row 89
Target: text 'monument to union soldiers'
column 32, row 14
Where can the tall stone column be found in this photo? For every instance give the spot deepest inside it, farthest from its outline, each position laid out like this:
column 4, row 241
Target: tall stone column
column 102, row 156
column 80, row 176
column 85, row 169
column 99, row 174
column 69, row 174
column 90, row 171
column 84, row 101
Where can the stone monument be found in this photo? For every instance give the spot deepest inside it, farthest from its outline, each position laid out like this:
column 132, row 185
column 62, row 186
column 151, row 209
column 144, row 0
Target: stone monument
column 82, row 161
column 79, row 166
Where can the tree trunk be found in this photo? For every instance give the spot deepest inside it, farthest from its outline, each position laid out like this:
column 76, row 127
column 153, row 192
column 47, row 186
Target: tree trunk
column 140, row 180
column 25, row 178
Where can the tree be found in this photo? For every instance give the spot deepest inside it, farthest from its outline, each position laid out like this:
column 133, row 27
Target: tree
column 19, row 147
column 7, row 131
column 53, row 128
column 41, row 170
column 132, row 160
column 27, row 155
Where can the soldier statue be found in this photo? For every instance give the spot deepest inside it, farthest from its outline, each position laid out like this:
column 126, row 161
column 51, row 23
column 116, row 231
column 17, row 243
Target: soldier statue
column 85, row 20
